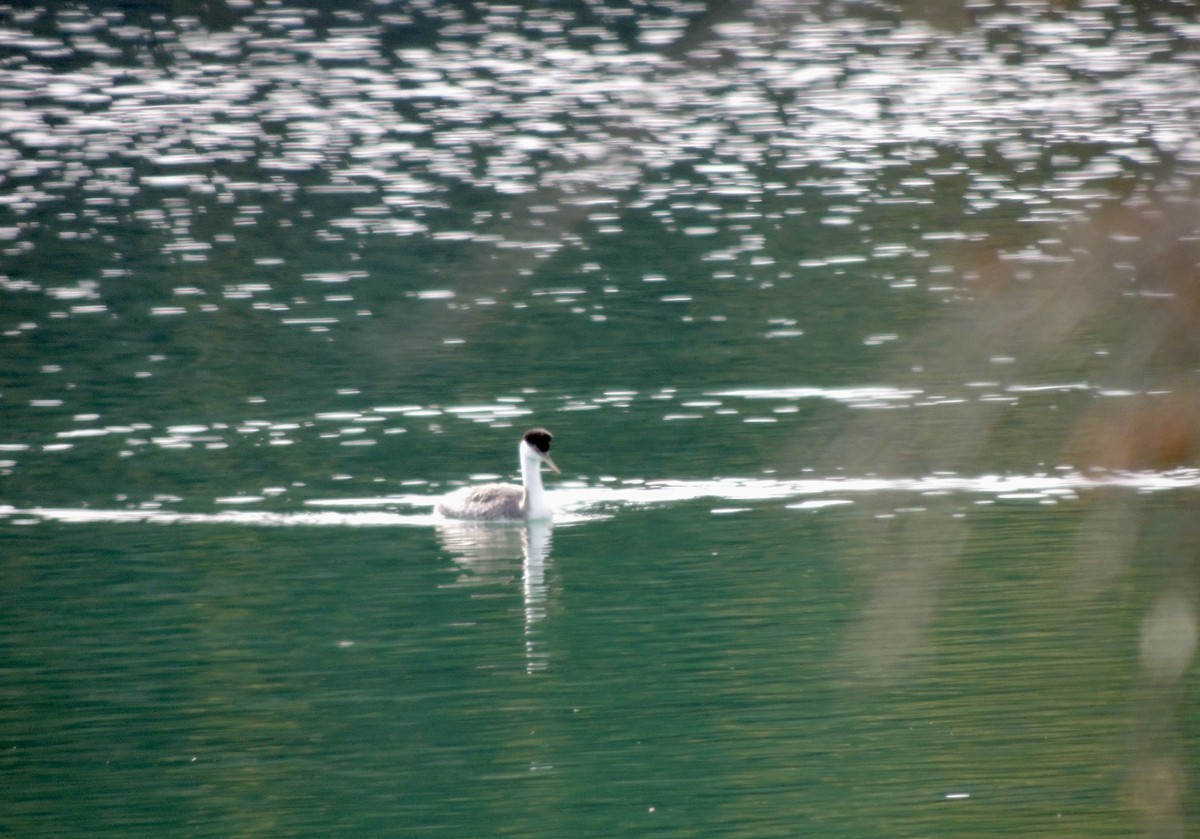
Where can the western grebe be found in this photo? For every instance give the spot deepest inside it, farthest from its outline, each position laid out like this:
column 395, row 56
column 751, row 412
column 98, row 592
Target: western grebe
column 507, row 502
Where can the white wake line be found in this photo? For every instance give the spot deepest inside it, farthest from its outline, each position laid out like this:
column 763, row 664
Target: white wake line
column 575, row 504
column 260, row 518
column 1066, row 483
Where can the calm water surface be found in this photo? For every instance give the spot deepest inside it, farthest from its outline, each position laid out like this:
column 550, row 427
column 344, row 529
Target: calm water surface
column 867, row 335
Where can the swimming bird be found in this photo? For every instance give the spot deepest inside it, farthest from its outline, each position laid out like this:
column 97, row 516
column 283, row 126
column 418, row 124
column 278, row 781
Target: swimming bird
column 508, row 502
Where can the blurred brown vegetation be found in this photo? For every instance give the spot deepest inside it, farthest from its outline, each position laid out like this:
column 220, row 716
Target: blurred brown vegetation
column 1110, row 306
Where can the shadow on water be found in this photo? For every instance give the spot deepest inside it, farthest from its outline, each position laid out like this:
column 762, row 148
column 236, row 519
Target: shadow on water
column 487, row 551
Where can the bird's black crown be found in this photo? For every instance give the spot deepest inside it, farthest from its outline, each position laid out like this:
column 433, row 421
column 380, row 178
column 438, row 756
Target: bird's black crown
column 539, row 438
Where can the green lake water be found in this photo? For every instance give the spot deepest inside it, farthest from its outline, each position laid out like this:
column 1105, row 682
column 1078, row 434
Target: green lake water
column 866, row 333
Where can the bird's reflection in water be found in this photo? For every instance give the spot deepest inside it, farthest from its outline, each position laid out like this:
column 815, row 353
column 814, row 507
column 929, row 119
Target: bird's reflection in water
column 488, row 552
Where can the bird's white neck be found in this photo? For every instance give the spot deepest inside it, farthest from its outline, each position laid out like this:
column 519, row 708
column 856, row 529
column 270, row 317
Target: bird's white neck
column 535, row 504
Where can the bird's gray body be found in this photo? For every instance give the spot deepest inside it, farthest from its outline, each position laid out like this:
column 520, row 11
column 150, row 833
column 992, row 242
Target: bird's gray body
column 486, row 502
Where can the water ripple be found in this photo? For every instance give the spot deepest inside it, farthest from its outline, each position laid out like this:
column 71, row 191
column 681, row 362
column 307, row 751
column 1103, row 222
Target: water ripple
column 115, row 109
